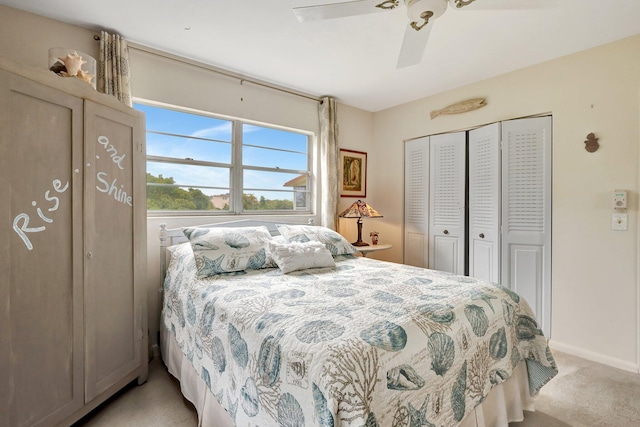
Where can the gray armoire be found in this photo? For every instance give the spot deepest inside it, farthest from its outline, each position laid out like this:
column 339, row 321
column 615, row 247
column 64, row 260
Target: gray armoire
column 72, row 247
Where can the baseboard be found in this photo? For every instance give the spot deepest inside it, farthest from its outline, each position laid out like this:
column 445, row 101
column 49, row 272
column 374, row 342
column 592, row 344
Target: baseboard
column 595, row 357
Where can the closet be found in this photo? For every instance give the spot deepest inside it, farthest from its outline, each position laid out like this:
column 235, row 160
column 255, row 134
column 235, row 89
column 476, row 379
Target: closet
column 72, row 247
column 478, row 202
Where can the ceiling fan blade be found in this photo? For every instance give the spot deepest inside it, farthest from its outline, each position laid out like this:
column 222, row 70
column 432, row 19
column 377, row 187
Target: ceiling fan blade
column 413, row 45
column 340, row 10
column 501, row 4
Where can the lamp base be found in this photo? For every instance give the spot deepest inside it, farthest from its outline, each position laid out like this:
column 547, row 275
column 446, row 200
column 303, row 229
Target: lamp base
column 359, row 242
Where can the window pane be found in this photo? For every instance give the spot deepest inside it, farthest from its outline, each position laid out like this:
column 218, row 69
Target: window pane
column 169, row 198
column 188, row 175
column 265, row 200
column 273, row 180
column 266, row 157
column 164, row 120
column 274, row 138
column 182, row 148
column 178, row 141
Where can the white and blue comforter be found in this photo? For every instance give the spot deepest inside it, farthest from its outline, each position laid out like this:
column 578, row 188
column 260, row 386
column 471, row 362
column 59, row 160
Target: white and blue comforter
column 364, row 344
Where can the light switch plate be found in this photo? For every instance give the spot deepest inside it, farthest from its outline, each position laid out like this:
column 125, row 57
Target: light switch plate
column 619, row 222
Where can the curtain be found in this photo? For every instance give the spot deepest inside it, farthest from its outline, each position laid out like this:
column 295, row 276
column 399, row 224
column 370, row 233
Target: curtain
column 113, row 67
column 328, row 162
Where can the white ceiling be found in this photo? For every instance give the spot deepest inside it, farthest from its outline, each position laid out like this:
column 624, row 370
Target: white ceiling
column 353, row 58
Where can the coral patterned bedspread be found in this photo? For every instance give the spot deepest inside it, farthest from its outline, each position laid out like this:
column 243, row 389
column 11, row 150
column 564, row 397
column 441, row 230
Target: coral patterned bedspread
column 365, row 343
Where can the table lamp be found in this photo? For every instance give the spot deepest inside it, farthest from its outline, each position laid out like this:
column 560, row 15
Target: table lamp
column 360, row 210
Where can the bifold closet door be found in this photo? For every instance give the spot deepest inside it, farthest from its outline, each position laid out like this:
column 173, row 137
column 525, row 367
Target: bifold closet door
column 526, row 213
column 447, row 173
column 484, row 203
column 416, row 205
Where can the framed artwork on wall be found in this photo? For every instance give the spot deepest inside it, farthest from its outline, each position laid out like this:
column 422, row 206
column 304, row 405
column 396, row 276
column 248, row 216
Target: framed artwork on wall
column 353, row 173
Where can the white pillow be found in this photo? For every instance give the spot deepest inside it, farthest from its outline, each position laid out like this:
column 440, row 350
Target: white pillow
column 333, row 241
column 279, row 239
column 300, row 256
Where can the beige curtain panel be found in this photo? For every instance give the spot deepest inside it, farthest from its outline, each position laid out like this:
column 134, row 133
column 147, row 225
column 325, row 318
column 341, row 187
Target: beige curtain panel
column 328, row 162
column 114, row 72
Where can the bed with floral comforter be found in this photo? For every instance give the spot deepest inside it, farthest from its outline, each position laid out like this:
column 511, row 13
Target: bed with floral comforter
column 363, row 343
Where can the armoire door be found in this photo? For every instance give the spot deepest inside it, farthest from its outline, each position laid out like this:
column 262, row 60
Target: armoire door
column 447, row 173
column 484, row 203
column 416, row 187
column 41, row 311
column 526, row 213
column 114, row 187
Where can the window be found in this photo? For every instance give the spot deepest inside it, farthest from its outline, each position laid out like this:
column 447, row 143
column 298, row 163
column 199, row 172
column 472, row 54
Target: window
column 199, row 162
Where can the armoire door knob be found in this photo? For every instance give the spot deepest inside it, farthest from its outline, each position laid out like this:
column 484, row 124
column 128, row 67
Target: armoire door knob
column 482, row 235
column 446, row 231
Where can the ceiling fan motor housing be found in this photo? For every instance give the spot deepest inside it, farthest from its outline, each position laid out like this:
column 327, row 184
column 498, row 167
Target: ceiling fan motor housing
column 425, row 10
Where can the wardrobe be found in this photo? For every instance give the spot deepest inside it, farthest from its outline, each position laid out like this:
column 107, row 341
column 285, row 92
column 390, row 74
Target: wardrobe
column 478, row 203
column 73, row 327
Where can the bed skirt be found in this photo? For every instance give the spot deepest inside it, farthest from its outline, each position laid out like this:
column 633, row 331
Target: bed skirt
column 504, row 404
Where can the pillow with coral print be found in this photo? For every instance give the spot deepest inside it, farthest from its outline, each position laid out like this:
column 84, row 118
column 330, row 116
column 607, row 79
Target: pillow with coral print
column 225, row 250
column 333, row 241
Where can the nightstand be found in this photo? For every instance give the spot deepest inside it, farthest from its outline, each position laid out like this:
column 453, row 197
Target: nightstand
column 372, row 248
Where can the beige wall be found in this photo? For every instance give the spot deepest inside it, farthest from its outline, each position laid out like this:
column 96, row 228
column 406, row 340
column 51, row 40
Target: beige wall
column 27, row 38
column 355, row 132
column 594, row 269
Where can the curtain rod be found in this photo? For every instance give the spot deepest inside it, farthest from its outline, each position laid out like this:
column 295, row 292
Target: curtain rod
column 216, row 70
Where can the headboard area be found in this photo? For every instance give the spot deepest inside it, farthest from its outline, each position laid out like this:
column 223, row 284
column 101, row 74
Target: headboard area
column 175, row 236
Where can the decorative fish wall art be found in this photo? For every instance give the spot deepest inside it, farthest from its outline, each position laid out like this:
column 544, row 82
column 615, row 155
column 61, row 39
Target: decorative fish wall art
column 460, row 107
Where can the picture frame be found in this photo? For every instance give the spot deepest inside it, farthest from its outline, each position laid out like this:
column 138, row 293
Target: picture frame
column 353, row 173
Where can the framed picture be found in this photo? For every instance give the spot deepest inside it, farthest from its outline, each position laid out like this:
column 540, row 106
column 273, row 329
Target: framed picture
column 353, row 173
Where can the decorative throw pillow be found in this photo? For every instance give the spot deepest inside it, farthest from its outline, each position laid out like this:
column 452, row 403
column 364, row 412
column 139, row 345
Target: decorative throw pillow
column 300, row 256
column 333, row 241
column 279, row 239
column 224, row 250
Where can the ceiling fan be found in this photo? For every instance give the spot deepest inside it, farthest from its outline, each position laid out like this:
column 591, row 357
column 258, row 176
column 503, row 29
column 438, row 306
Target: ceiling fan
column 421, row 13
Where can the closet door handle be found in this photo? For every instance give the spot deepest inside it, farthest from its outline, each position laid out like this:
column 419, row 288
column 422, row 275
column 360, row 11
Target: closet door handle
column 446, row 231
column 481, row 235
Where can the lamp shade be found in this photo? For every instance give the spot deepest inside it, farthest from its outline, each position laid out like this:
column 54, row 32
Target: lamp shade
column 360, row 209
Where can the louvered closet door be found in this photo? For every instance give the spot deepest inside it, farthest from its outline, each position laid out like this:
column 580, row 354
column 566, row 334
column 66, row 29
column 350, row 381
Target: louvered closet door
column 526, row 212
column 416, row 178
column 484, row 203
column 446, row 202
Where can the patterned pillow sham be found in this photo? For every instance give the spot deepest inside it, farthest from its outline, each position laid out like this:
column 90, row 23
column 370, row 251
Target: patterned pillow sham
column 334, row 242
column 225, row 250
column 300, row 256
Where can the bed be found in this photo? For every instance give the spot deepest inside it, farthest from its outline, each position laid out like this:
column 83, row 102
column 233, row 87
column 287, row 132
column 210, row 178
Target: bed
column 261, row 328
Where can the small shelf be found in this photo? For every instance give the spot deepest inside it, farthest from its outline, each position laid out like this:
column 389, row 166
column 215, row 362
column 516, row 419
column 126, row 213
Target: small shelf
column 373, row 248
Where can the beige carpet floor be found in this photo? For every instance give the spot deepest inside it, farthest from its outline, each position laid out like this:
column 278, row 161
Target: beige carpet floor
column 584, row 394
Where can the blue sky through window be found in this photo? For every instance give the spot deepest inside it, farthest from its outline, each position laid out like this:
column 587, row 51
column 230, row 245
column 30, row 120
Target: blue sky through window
column 204, row 138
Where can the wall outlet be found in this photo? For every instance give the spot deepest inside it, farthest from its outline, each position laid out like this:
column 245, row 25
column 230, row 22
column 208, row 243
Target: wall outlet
column 619, row 222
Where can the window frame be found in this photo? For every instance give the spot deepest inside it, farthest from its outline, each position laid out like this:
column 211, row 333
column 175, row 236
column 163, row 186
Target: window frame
column 236, row 167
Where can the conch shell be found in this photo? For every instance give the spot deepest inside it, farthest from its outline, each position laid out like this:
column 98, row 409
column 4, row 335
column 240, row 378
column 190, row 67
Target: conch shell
column 72, row 62
column 85, row 76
